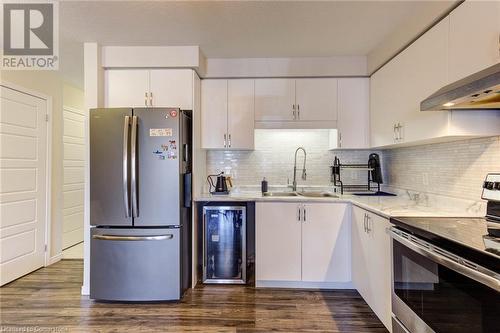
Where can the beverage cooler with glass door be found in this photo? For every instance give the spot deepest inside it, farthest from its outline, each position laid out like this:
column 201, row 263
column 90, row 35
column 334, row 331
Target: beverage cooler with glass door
column 224, row 244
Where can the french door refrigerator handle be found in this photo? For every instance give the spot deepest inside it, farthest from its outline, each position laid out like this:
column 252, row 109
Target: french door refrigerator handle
column 133, row 166
column 126, row 124
column 133, row 238
column 447, row 259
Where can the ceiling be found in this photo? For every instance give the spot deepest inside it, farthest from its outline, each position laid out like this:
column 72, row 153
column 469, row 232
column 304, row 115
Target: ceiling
column 238, row 29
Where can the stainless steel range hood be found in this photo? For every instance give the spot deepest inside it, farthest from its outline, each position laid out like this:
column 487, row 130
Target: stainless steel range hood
column 479, row 91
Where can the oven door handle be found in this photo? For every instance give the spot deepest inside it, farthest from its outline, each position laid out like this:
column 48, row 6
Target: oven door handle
column 447, row 259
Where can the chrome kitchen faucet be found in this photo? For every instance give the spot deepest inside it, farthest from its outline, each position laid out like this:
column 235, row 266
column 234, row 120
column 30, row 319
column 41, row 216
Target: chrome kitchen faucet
column 304, row 174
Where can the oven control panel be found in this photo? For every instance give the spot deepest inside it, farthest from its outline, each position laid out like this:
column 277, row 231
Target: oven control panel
column 491, row 187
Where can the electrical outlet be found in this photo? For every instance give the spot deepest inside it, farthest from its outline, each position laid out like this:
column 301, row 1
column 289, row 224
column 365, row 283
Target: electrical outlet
column 425, row 178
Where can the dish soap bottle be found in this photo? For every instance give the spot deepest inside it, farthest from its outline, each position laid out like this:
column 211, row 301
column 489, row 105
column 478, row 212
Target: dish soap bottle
column 263, row 185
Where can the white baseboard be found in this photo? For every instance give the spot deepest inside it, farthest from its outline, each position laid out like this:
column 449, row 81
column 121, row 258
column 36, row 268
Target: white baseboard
column 303, row 284
column 85, row 290
column 54, row 259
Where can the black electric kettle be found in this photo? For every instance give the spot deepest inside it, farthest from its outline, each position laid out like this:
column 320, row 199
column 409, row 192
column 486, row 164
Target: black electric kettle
column 220, row 186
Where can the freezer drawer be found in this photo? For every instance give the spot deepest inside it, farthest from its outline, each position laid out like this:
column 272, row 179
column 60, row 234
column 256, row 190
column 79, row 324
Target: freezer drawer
column 135, row 264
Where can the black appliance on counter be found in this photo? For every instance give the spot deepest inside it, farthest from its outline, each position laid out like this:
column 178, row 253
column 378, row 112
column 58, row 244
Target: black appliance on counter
column 446, row 270
column 227, row 238
column 220, row 185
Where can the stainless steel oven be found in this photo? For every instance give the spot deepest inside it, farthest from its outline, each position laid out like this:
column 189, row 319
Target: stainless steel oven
column 434, row 290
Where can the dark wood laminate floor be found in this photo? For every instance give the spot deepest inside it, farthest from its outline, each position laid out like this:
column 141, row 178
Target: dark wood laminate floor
column 49, row 300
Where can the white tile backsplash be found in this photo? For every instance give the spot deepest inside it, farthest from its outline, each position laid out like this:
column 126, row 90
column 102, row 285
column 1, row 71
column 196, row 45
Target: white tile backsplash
column 273, row 158
column 455, row 169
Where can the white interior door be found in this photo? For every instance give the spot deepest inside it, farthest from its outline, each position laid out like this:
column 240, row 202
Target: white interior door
column 73, row 163
column 23, row 183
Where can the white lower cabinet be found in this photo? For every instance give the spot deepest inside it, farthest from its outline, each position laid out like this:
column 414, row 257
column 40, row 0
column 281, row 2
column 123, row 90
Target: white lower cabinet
column 278, row 233
column 371, row 261
column 303, row 243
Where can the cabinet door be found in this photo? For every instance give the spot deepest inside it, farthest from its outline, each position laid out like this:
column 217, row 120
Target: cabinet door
column 172, row 88
column 213, row 114
column 474, row 38
column 277, row 242
column 316, row 99
column 422, row 73
column 326, row 250
column 398, row 88
column 125, row 87
column 360, row 254
column 353, row 113
column 379, row 267
column 384, row 104
column 274, row 99
column 240, row 121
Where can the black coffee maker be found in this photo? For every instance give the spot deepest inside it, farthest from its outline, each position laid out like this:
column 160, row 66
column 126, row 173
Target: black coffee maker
column 220, row 185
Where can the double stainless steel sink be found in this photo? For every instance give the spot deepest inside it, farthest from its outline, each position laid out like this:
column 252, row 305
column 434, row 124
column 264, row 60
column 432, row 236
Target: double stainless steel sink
column 308, row 194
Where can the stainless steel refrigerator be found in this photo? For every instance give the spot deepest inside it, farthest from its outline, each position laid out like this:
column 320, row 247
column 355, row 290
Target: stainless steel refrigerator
column 140, row 199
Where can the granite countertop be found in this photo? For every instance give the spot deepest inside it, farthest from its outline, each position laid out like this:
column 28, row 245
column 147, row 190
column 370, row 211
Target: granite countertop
column 465, row 236
column 385, row 206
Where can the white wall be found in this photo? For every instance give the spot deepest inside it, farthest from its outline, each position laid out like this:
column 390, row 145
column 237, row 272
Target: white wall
column 286, row 67
column 51, row 84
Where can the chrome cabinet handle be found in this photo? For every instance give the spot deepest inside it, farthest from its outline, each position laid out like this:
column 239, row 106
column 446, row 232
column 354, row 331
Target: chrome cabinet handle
column 452, row 261
column 293, row 112
column 133, row 166
column 368, row 228
column 229, row 140
column 298, row 111
column 304, row 214
column 150, row 99
column 126, row 124
column 133, row 238
column 146, row 98
column 299, row 210
column 224, row 140
column 394, row 130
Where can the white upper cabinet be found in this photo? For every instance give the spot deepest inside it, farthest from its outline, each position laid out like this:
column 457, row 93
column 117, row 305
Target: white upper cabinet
column 398, row 88
column 316, row 99
column 172, row 88
column 214, row 114
column 464, row 42
column 227, row 114
column 149, row 88
column 241, row 108
column 126, row 88
column 353, row 131
column 295, row 102
column 474, row 38
column 423, row 70
column 274, row 99
column 326, row 253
